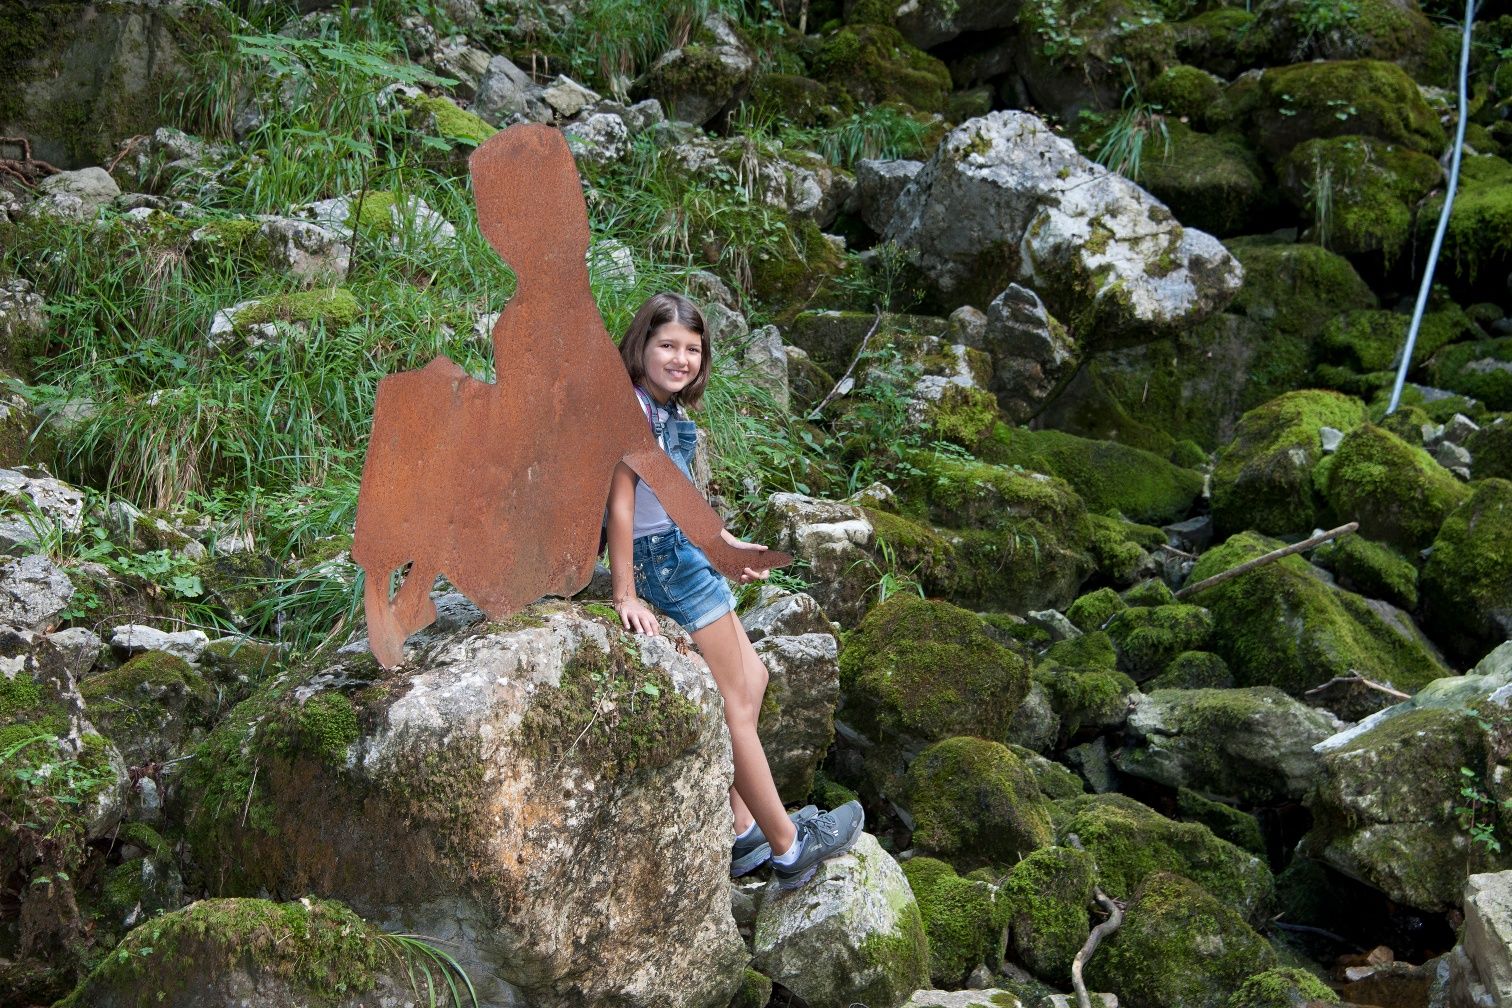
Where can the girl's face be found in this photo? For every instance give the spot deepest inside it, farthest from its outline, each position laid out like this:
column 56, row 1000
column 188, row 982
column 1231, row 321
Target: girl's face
column 672, row 359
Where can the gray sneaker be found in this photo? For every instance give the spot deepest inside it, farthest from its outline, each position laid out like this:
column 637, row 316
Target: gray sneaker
column 822, row 837
column 751, row 853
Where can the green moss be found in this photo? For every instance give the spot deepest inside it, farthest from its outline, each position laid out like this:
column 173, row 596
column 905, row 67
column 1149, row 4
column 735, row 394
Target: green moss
column 1178, row 946
column 1093, row 610
column 790, row 280
column 1395, row 490
column 1372, row 341
column 1491, row 450
column 18, row 693
column 829, row 794
column 1193, row 670
column 1280, row 625
column 1148, row 638
column 1345, row 97
column 755, row 991
column 976, row 803
column 963, row 415
column 1263, row 479
column 1046, row 896
column 962, row 919
column 1054, row 780
column 1083, row 681
column 1282, row 987
column 899, row 959
column 376, row 213
column 1183, row 90
column 1116, row 555
column 335, row 306
column 1372, row 189
column 452, row 122
column 1215, row 183
column 150, row 706
column 1105, row 474
column 1153, row 592
column 1227, row 823
column 1480, row 222
column 925, row 670
column 325, row 726
column 874, row 64
column 1372, row 569
column 1482, row 369
column 139, row 834
column 320, row 949
column 1129, row 841
column 1467, row 582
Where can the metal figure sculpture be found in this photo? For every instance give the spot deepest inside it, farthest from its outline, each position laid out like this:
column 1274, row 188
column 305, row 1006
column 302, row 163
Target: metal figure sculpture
column 501, row 487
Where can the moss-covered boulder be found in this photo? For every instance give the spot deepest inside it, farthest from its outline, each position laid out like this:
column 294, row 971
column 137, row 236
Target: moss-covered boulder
column 1179, row 947
column 1481, row 370
column 1467, row 582
column 1395, row 490
column 854, row 934
column 153, row 708
column 1360, row 192
column 1264, row 477
column 1342, row 98
column 1215, row 183
column 1281, row 625
column 1093, row 610
column 1206, row 40
column 917, row 671
column 1193, row 670
column 1250, row 745
column 1046, row 896
column 1283, row 987
column 1371, row 569
column 1227, row 823
column 707, row 75
column 1084, row 684
column 1148, row 638
column 1371, row 341
column 964, row 919
column 1105, row 474
column 975, row 803
column 1290, row 31
column 311, row 953
column 1480, row 219
column 1491, row 449
column 1129, row 841
column 457, row 797
column 1073, row 56
column 872, row 64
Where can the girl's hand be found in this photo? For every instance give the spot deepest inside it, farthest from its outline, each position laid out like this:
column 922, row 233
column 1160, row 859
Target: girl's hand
column 750, row 573
column 637, row 618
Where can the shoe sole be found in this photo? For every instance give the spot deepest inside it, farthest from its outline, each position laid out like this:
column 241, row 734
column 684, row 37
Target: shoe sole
column 788, row 885
column 752, row 861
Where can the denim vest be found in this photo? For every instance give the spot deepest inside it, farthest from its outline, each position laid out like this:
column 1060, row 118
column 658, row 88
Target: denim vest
column 679, row 439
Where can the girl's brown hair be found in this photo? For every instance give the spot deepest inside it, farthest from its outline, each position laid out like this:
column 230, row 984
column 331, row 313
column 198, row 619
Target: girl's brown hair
column 659, row 310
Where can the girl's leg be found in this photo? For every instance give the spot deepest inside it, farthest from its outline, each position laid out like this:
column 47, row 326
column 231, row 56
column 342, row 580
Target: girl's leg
column 742, row 679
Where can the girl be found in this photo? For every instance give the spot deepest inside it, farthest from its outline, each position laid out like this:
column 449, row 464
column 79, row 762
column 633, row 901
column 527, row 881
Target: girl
column 666, row 352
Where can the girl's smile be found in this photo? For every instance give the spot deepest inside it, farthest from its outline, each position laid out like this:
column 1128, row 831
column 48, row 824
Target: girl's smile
column 673, row 358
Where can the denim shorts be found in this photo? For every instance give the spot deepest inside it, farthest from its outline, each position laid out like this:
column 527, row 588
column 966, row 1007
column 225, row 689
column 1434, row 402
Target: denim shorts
column 674, row 575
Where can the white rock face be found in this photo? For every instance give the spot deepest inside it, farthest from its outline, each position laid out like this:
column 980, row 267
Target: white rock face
column 853, row 933
column 51, row 506
column 133, row 639
column 1486, row 943
column 566, row 97
column 599, row 137
column 306, row 251
column 79, row 194
column 878, row 185
column 1006, row 199
column 797, row 721
column 33, row 592
column 832, row 538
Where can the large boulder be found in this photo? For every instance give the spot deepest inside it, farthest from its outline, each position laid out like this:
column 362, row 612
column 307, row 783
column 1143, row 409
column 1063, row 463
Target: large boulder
column 975, row 803
column 852, row 934
column 1486, row 944
column 1210, row 182
column 1290, row 31
column 1467, row 582
column 1478, row 220
column 1395, row 490
column 1252, row 745
column 930, row 22
column 34, row 592
column 1342, row 98
column 479, row 798
column 834, row 539
column 1005, row 199
column 1046, row 896
column 797, row 722
column 870, row 64
column 708, row 75
column 963, row 919
column 1283, row 625
column 1360, row 192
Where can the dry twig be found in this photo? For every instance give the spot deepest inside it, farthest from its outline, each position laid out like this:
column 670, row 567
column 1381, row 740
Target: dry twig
column 1107, row 927
column 1357, row 679
column 1271, row 557
column 840, row 386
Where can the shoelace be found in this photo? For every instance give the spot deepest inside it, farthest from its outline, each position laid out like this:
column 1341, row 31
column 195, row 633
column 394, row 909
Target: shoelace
column 825, row 823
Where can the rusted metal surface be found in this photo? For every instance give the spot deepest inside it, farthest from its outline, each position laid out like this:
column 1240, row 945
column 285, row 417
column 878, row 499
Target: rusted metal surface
column 501, row 487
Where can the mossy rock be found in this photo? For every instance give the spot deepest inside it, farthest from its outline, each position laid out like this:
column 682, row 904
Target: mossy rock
column 1227, row 823
column 1184, row 91
column 1283, row 987
column 1396, row 491
column 1467, row 582
column 1151, row 592
column 1120, row 548
column 917, row 671
column 1290, row 31
column 1129, row 841
column 1084, row 683
column 236, row 666
column 1194, row 670
column 1080, row 55
column 873, row 63
column 755, row 991
column 1055, row 781
column 1264, row 477
column 1179, row 947
column 789, row 278
column 1482, row 369
column 444, row 119
column 1214, row 183
column 1046, row 896
column 153, row 707
column 1372, row 188
column 1371, row 340
column 335, row 306
column 1341, row 98
column 975, row 803
column 832, row 338
column 1092, row 611
column 1105, row 474
column 1281, row 625
column 311, row 952
column 1148, row 638
column 1373, row 569
column 1491, row 450
column 963, row 919
column 800, row 100
column 1479, row 235
column 1207, row 40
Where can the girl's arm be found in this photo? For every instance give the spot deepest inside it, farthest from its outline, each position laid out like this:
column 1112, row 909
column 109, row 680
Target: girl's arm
column 632, row 611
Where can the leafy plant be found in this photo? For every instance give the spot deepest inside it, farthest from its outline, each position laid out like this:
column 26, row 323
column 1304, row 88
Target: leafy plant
column 425, row 962
column 1123, row 142
column 890, row 581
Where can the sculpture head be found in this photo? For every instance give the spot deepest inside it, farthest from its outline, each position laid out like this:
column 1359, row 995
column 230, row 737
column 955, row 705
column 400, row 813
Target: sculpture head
column 530, row 202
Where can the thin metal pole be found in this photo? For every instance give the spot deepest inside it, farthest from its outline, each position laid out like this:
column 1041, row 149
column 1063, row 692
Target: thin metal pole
column 1443, row 222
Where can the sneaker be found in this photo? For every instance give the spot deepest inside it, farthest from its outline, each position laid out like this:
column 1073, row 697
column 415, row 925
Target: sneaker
column 822, row 838
column 751, row 853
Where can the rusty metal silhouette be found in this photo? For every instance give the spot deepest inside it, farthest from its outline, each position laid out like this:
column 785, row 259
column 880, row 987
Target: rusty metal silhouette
column 502, row 487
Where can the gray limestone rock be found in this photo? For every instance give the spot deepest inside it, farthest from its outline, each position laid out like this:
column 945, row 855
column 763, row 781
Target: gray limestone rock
column 78, row 194
column 831, row 537
column 878, row 186
column 797, row 722
column 1486, row 941
column 598, row 137
column 39, row 506
column 986, row 997
column 305, row 251
column 134, row 638
column 696, row 82
column 566, row 97
column 506, row 95
column 1032, row 353
column 779, row 612
column 34, row 592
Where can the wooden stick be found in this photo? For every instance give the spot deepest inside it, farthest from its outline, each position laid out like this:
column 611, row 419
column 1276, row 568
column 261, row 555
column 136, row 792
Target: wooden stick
column 1107, row 927
column 1357, row 678
column 814, row 414
column 1270, row 557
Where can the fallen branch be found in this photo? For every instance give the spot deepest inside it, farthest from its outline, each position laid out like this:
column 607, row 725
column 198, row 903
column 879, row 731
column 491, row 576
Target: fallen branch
column 1107, row 927
column 1271, row 557
column 1357, row 679
column 840, row 387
